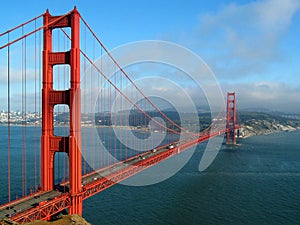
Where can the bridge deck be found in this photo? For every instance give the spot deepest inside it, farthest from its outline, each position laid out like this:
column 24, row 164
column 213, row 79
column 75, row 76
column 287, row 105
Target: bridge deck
column 26, row 203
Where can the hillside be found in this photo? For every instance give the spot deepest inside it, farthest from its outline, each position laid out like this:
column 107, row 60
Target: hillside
column 254, row 123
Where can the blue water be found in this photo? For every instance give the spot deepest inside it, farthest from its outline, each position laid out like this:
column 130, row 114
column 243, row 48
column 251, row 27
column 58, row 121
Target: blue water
column 257, row 182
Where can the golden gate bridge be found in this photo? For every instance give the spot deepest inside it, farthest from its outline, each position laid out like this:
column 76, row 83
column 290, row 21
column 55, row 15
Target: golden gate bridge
column 64, row 53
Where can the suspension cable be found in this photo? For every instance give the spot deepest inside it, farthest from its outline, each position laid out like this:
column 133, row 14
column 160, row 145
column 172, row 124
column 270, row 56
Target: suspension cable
column 134, row 104
column 126, row 97
column 123, row 71
column 19, row 26
column 34, row 31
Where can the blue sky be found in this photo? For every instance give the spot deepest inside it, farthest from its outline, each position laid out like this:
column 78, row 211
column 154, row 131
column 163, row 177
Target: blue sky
column 253, row 47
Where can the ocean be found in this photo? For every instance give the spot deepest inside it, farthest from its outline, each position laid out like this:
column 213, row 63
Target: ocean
column 256, row 182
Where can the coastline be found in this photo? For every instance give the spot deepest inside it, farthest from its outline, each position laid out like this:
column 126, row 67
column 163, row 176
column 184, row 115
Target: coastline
column 250, row 133
column 246, row 131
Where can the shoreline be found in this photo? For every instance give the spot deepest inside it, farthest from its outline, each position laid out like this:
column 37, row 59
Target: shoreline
column 246, row 131
column 267, row 132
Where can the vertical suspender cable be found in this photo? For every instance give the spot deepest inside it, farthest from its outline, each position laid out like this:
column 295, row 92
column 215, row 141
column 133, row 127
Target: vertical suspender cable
column 105, row 119
column 129, row 123
column 8, row 120
column 115, row 116
column 23, row 114
column 84, row 106
column 100, row 110
column 93, row 148
column 120, row 121
column 35, row 109
column 135, row 118
column 98, row 120
column 144, row 125
column 58, row 110
column 90, row 111
column 129, row 133
column 109, row 110
column 124, row 121
column 40, row 76
column 65, row 159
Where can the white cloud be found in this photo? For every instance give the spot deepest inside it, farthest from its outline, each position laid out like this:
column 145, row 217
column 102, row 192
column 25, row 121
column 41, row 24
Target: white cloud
column 244, row 38
column 17, row 75
column 267, row 95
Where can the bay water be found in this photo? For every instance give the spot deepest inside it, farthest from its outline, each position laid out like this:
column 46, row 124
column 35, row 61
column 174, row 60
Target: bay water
column 256, row 182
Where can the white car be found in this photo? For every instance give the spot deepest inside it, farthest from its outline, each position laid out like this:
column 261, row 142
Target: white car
column 171, row 146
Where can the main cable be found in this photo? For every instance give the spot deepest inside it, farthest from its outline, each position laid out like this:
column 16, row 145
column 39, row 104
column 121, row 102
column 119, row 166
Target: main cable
column 123, row 71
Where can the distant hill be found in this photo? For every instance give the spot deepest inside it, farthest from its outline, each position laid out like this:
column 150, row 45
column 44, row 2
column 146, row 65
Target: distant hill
column 256, row 123
column 253, row 123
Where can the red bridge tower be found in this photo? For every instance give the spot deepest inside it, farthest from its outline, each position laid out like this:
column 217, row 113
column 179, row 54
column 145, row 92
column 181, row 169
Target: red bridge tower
column 51, row 144
column 231, row 119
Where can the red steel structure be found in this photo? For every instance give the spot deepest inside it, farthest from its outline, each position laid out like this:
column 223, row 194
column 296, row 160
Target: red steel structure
column 95, row 182
column 71, row 144
column 49, row 200
column 231, row 118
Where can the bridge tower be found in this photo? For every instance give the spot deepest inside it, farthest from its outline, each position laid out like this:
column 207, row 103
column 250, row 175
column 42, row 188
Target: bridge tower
column 51, row 144
column 231, row 118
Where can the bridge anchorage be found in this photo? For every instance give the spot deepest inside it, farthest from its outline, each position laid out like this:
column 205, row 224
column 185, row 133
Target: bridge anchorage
column 52, row 199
